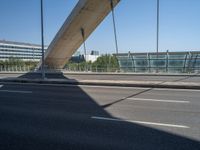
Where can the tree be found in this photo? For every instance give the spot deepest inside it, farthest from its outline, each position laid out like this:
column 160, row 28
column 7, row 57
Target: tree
column 106, row 63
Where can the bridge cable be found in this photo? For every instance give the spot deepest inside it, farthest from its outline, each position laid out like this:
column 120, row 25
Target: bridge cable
column 114, row 25
column 84, row 45
column 157, row 32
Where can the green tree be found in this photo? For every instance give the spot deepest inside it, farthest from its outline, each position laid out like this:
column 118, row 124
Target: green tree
column 106, row 63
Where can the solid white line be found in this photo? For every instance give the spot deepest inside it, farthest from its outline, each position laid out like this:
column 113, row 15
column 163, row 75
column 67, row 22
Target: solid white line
column 113, row 87
column 158, row 100
column 13, row 91
column 1, row 86
column 181, row 90
column 141, row 122
column 95, row 86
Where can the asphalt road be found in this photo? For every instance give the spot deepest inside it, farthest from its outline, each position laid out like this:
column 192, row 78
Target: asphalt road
column 94, row 117
column 135, row 77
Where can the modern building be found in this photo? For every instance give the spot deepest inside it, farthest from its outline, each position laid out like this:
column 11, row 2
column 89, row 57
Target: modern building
column 18, row 50
column 92, row 56
column 33, row 52
column 184, row 62
column 78, row 57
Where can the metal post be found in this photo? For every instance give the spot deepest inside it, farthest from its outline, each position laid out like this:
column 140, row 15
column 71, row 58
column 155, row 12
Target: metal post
column 167, row 61
column 114, row 26
column 133, row 62
column 194, row 63
column 190, row 61
column 186, row 56
column 149, row 62
column 157, row 32
column 42, row 39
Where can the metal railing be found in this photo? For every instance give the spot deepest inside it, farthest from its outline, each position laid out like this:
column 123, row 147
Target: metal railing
column 178, row 62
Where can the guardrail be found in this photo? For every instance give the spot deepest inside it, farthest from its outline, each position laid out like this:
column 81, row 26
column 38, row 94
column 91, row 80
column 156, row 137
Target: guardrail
column 106, row 69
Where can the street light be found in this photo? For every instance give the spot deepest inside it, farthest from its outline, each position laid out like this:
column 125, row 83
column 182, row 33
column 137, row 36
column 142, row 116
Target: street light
column 42, row 39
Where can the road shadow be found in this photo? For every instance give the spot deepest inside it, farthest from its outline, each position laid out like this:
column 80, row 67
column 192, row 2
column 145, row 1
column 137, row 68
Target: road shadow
column 185, row 78
column 46, row 117
column 38, row 75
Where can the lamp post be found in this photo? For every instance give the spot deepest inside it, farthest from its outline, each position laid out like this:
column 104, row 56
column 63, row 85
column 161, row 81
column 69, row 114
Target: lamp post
column 42, row 39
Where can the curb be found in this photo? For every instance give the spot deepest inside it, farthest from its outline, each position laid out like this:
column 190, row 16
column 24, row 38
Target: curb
column 151, row 84
column 131, row 74
column 110, row 73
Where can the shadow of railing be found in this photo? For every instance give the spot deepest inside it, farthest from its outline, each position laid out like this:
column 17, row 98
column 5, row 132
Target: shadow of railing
column 59, row 117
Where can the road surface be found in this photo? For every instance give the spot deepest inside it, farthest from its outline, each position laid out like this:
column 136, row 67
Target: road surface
column 116, row 77
column 98, row 117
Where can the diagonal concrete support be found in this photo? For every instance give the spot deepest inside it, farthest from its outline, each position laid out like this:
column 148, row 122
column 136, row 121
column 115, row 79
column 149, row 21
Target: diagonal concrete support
column 87, row 15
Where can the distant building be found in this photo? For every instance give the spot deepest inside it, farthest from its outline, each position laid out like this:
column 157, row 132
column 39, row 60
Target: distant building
column 18, row 50
column 92, row 56
column 77, row 57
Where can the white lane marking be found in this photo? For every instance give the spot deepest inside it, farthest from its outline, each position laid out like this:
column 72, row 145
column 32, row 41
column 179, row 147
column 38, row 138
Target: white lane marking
column 13, row 91
column 113, row 87
column 181, row 90
column 141, row 122
column 158, row 100
column 95, row 86
column 1, row 86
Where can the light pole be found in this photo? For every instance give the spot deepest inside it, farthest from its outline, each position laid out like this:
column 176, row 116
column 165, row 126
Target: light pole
column 157, row 32
column 42, row 39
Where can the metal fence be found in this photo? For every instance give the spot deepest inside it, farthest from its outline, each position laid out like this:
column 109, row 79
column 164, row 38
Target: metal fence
column 173, row 62
column 164, row 62
column 13, row 68
column 90, row 68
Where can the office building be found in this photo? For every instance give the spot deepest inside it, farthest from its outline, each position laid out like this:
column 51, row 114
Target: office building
column 21, row 51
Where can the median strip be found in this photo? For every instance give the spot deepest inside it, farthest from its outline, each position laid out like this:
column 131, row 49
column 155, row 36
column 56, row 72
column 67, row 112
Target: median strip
column 140, row 122
column 114, row 83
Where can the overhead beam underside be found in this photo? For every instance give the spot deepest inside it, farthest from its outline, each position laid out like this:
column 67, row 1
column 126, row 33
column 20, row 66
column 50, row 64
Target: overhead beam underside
column 87, row 14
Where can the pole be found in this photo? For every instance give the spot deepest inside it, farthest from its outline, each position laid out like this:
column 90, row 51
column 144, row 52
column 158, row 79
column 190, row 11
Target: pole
column 42, row 39
column 114, row 25
column 157, row 32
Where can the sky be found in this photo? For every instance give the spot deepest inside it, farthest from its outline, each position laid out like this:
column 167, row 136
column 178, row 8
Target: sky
column 135, row 22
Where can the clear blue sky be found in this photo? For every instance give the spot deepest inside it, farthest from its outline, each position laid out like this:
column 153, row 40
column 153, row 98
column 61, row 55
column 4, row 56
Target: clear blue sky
column 136, row 24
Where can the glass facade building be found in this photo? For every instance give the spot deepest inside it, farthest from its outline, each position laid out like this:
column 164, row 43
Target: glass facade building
column 22, row 51
column 175, row 62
